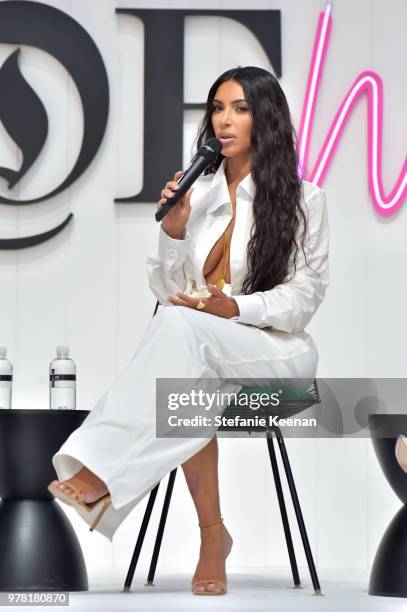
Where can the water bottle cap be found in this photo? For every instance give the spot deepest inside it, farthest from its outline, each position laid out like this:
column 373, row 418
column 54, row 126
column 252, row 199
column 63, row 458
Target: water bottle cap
column 3, row 351
column 62, row 351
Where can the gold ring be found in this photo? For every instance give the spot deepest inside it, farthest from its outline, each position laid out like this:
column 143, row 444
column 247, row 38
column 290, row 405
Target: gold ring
column 200, row 305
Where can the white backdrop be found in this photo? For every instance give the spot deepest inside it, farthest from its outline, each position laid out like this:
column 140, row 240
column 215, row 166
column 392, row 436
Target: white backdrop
column 87, row 287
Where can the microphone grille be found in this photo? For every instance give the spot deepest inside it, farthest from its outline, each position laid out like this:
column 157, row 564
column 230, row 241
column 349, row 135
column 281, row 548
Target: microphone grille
column 210, row 149
column 215, row 144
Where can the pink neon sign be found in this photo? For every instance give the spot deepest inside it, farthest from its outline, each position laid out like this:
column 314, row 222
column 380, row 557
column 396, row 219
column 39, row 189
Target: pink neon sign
column 369, row 82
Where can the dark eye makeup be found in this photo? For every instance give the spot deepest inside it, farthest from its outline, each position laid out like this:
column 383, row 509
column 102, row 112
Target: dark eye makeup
column 216, row 107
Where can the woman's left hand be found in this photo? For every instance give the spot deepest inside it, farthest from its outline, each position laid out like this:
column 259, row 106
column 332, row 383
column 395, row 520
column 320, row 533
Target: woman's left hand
column 218, row 303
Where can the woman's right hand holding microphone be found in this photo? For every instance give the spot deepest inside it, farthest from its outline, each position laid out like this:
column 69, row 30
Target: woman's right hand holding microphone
column 176, row 218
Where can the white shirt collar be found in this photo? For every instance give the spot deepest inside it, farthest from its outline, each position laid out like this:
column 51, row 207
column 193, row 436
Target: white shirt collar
column 219, row 192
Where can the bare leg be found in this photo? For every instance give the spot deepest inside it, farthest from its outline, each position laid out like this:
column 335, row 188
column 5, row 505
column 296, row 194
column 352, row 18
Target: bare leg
column 401, row 452
column 201, row 474
column 90, row 485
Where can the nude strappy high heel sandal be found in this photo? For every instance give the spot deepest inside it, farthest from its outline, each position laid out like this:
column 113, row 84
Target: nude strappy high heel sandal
column 104, row 501
column 221, row 583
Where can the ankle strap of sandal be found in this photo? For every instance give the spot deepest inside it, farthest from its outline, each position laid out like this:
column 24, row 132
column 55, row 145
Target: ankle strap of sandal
column 216, row 522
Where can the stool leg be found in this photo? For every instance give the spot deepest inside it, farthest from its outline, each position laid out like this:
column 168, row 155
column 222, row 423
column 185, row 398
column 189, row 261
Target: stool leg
column 160, row 530
column 140, row 539
column 298, row 513
column 283, row 511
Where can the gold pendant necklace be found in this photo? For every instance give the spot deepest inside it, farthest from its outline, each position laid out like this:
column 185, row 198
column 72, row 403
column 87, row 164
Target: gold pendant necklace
column 222, row 281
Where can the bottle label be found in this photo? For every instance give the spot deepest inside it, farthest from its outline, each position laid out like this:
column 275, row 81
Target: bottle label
column 62, row 376
column 62, row 380
column 6, row 377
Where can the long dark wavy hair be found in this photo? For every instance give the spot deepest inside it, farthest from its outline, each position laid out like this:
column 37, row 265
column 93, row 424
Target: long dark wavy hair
column 275, row 234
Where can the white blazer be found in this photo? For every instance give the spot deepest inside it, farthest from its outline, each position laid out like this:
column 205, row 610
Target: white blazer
column 177, row 265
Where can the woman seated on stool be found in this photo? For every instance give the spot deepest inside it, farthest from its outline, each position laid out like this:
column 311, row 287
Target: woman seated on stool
column 240, row 269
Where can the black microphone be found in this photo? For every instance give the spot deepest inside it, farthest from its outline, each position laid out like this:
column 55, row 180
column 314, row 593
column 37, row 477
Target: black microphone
column 206, row 155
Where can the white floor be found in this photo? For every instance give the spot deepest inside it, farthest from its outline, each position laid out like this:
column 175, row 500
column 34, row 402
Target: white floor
column 248, row 590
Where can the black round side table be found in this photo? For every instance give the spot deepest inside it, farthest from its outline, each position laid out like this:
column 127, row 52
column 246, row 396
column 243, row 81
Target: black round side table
column 39, row 550
column 388, row 576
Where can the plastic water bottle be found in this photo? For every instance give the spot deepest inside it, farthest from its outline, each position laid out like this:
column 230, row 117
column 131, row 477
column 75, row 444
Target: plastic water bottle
column 6, row 379
column 62, row 381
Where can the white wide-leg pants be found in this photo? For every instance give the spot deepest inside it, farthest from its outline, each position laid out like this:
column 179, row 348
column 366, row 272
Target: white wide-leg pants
column 117, row 441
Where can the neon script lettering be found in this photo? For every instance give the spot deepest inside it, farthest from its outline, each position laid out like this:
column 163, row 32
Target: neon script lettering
column 369, row 82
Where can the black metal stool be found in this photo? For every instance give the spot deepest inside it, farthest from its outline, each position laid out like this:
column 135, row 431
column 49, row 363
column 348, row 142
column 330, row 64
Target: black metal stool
column 289, row 406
